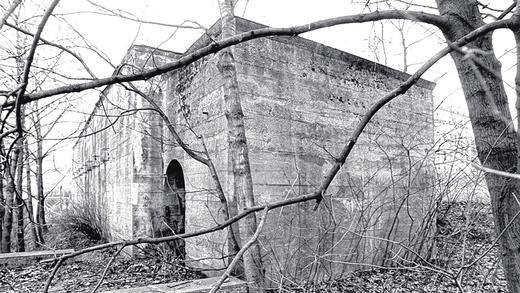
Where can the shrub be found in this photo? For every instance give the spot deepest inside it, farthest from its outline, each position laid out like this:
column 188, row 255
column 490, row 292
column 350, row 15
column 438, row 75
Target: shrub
column 88, row 218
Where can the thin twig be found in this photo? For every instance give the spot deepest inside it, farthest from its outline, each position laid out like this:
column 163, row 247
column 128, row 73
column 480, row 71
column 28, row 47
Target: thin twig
column 9, row 11
column 106, row 269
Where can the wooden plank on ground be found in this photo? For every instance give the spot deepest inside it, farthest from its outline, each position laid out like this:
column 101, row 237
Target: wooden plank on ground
column 231, row 285
column 16, row 258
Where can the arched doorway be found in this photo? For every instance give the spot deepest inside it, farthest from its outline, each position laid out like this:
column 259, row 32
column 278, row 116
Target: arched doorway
column 175, row 206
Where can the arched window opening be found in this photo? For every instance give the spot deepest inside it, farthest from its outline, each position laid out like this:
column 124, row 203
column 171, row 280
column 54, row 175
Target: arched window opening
column 175, row 207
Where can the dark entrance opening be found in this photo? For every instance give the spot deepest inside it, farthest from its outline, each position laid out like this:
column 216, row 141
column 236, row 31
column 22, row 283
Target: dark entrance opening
column 175, row 207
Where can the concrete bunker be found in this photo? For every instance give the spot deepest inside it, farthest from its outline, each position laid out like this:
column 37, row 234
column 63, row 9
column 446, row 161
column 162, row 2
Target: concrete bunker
column 301, row 99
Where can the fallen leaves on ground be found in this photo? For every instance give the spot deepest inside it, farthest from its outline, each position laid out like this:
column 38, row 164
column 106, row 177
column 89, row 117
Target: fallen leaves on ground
column 82, row 276
column 465, row 234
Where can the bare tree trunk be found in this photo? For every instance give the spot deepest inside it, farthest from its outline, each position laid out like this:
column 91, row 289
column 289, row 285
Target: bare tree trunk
column 19, row 202
column 40, row 210
column 495, row 138
column 37, row 241
column 233, row 231
column 7, row 225
column 2, row 198
column 238, row 149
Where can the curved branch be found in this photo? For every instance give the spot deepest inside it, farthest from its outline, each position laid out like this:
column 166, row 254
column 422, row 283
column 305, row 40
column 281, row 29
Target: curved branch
column 216, row 46
column 121, row 114
column 204, row 160
column 25, row 77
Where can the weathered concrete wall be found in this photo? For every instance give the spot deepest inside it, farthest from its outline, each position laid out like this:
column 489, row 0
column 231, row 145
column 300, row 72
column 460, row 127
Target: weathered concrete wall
column 103, row 167
column 193, row 101
column 302, row 100
column 118, row 163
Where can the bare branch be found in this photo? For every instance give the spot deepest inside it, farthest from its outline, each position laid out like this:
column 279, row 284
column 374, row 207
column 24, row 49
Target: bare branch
column 9, row 11
column 109, row 12
column 216, row 46
column 169, row 125
column 44, row 41
column 105, row 271
column 28, row 63
column 496, row 172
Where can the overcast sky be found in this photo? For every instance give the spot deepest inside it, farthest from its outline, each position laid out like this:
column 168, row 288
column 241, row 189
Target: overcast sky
column 114, row 35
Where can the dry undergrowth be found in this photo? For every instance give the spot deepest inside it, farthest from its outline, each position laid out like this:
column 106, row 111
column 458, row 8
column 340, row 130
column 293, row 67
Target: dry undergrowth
column 465, row 232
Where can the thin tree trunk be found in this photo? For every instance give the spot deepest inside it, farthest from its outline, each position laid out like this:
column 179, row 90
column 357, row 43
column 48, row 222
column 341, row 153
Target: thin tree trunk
column 2, row 199
column 30, row 209
column 238, row 149
column 11, row 198
column 495, row 138
column 229, row 210
column 7, row 225
column 40, row 210
column 19, row 202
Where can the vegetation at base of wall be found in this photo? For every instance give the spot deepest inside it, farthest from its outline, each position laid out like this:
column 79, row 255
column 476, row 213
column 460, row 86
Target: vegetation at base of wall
column 486, row 276
column 83, row 222
column 464, row 233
